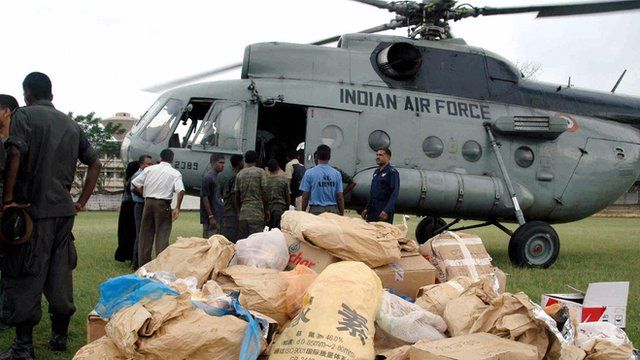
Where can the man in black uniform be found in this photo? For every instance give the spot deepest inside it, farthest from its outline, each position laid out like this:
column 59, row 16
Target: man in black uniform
column 42, row 150
column 385, row 187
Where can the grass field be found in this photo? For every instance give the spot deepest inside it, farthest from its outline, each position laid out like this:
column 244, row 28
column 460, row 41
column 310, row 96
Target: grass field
column 594, row 249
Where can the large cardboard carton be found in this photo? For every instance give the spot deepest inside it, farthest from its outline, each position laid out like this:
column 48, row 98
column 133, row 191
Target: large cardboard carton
column 457, row 254
column 95, row 326
column 407, row 275
column 603, row 301
column 480, row 346
column 303, row 253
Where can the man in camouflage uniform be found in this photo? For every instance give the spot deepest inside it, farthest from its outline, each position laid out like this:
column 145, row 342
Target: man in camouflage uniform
column 277, row 193
column 229, row 226
column 251, row 197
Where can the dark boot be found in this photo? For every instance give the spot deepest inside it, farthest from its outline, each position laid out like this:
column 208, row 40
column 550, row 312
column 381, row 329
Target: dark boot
column 59, row 332
column 22, row 347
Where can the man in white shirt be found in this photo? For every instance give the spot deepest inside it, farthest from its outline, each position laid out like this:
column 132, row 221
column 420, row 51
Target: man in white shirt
column 158, row 184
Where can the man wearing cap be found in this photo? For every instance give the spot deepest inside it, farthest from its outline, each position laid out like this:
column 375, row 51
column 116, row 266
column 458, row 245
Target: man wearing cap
column 43, row 147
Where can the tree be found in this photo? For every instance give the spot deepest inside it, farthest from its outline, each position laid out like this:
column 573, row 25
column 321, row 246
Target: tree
column 528, row 68
column 103, row 141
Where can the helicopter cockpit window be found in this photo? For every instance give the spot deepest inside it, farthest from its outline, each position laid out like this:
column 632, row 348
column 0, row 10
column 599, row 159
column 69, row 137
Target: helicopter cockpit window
column 223, row 128
column 158, row 129
column 153, row 110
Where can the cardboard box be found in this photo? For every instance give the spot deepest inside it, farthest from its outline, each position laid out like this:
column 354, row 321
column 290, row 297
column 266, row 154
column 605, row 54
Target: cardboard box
column 603, row 301
column 303, row 253
column 95, row 327
column 480, row 346
column 407, row 275
column 457, row 254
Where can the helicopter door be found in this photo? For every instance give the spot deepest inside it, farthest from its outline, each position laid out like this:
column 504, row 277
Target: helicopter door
column 337, row 129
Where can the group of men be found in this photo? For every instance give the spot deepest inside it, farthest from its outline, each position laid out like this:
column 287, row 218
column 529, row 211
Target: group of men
column 252, row 197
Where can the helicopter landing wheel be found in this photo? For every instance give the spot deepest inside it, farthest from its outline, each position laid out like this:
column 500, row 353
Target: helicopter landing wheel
column 534, row 245
column 427, row 227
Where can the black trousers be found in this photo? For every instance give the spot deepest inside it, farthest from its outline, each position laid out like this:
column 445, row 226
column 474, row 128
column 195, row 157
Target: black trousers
column 42, row 265
column 276, row 211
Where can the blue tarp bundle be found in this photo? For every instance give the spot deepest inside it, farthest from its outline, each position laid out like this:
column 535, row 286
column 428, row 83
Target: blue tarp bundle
column 123, row 291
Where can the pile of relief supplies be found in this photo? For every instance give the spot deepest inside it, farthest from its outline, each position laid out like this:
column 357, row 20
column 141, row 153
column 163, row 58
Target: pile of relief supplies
column 332, row 287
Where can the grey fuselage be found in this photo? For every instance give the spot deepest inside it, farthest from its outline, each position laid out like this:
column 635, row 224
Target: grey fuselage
column 348, row 101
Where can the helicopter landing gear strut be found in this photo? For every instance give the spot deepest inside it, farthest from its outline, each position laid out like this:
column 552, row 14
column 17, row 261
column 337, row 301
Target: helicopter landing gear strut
column 534, row 244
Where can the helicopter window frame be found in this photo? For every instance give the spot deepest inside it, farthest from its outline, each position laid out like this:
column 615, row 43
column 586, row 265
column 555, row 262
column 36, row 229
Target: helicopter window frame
column 148, row 115
column 168, row 123
column 190, row 123
column 211, row 120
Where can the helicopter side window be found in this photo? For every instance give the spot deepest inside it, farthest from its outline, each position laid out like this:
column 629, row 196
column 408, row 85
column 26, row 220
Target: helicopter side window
column 192, row 116
column 223, row 128
column 159, row 128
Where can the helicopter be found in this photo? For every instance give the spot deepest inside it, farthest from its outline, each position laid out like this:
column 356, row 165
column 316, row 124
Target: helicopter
column 472, row 139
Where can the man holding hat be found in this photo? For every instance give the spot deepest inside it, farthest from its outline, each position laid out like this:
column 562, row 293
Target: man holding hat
column 8, row 104
column 43, row 147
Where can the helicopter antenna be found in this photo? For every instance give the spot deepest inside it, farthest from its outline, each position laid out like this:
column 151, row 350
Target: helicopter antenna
column 618, row 82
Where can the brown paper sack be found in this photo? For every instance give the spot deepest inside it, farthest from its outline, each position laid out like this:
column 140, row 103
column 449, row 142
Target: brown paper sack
column 172, row 328
column 374, row 244
column 261, row 290
column 435, row 297
column 197, row 257
column 196, row 335
column 101, row 349
column 457, row 254
column 604, row 350
column 511, row 316
column 337, row 316
column 461, row 314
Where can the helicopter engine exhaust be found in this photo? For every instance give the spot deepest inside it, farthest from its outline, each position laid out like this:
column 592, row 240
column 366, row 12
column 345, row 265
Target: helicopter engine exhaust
column 400, row 61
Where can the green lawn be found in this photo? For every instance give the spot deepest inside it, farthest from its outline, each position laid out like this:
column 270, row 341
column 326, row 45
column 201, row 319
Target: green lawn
column 595, row 249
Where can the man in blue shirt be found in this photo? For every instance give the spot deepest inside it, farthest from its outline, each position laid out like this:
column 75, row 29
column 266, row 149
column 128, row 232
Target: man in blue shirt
column 385, row 186
column 211, row 197
column 321, row 186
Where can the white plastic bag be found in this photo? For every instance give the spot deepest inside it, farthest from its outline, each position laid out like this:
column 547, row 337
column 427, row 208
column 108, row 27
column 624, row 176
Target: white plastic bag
column 407, row 321
column 266, row 250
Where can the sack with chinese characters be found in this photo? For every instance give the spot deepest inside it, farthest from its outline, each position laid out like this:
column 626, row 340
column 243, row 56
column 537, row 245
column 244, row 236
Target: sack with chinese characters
column 337, row 316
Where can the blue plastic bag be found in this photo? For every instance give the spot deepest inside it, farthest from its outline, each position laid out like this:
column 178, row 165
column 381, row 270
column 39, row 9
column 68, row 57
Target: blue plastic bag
column 123, row 291
column 252, row 340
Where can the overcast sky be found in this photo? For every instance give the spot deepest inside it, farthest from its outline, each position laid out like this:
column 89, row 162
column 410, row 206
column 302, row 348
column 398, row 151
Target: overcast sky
column 99, row 54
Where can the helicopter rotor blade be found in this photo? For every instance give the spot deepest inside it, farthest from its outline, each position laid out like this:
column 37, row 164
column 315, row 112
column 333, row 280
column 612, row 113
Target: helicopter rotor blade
column 187, row 79
column 566, row 9
column 377, row 3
